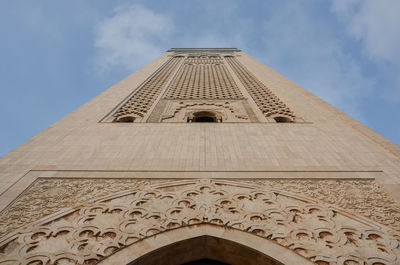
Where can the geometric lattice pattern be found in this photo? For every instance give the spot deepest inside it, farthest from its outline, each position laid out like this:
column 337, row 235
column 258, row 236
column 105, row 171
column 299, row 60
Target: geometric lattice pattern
column 203, row 77
column 143, row 99
column 228, row 111
column 91, row 232
column 269, row 104
column 363, row 197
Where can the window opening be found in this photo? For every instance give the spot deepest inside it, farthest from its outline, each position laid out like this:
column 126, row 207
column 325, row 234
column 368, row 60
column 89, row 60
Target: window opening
column 205, row 262
column 282, row 119
column 126, row 119
column 204, row 116
column 204, row 119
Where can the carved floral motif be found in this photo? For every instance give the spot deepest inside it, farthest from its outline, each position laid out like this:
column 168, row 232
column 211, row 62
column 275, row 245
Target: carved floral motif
column 203, row 77
column 142, row 100
column 93, row 231
column 266, row 100
column 48, row 196
column 232, row 111
column 361, row 197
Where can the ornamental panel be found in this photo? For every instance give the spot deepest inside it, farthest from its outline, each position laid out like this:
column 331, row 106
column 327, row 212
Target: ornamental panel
column 87, row 233
column 266, row 100
column 203, row 77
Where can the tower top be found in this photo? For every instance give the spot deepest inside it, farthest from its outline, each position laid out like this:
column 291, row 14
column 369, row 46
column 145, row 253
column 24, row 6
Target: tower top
column 206, row 85
column 224, row 157
column 221, row 50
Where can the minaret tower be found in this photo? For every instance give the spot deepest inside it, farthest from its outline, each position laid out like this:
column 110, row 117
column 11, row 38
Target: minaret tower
column 203, row 156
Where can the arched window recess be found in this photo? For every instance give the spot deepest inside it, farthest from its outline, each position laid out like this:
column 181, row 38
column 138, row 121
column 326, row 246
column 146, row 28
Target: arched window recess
column 126, row 118
column 204, row 116
column 282, row 119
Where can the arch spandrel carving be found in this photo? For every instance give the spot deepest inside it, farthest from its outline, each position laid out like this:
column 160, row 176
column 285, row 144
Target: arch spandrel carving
column 205, row 241
column 227, row 111
column 88, row 234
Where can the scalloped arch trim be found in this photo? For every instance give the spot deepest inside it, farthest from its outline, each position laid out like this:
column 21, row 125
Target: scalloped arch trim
column 90, row 233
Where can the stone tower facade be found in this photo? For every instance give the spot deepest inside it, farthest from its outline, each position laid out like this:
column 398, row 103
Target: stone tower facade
column 204, row 155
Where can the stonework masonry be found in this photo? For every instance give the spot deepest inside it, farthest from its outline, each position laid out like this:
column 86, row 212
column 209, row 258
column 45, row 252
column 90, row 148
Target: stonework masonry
column 202, row 153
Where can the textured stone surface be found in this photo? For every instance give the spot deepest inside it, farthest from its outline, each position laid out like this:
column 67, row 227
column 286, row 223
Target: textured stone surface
column 97, row 229
column 322, row 146
column 360, row 197
column 203, row 77
column 226, row 110
column 265, row 99
column 47, row 196
column 142, row 100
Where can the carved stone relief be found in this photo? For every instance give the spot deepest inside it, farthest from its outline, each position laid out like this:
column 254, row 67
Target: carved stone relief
column 362, row 197
column 94, row 230
column 266, row 100
column 230, row 111
column 141, row 101
column 203, row 77
column 47, row 196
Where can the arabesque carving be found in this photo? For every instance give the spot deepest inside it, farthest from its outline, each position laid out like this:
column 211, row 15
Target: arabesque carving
column 232, row 111
column 266, row 100
column 141, row 101
column 203, row 77
column 361, row 197
column 88, row 233
column 48, row 196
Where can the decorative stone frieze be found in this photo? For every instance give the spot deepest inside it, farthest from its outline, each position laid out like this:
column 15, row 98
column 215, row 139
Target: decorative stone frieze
column 266, row 100
column 142, row 100
column 203, row 77
column 91, row 231
column 48, row 196
column 362, row 197
column 180, row 111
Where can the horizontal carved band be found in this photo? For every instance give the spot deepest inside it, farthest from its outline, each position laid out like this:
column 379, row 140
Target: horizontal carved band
column 95, row 230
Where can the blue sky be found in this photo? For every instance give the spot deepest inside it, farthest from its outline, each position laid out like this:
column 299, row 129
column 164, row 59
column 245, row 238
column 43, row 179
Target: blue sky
column 56, row 55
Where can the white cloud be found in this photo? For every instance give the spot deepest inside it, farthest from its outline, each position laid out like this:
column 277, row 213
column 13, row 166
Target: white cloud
column 219, row 26
column 131, row 37
column 134, row 34
column 304, row 47
column 376, row 23
column 306, row 50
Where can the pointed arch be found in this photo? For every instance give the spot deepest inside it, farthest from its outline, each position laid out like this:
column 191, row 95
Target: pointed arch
column 205, row 241
column 93, row 232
